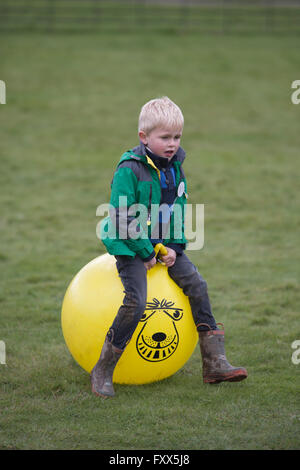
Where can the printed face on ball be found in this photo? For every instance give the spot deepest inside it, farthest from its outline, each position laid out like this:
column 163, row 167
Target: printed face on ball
column 153, row 345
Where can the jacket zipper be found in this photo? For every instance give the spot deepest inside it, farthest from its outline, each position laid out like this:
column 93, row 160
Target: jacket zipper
column 149, row 206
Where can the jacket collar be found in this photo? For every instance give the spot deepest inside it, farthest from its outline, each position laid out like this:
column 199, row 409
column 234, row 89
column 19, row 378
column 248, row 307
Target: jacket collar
column 142, row 151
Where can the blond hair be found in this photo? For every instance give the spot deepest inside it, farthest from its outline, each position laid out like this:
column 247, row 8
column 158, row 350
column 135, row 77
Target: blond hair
column 160, row 112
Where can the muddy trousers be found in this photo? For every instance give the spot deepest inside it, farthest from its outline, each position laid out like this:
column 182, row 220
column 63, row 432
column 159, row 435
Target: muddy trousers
column 133, row 275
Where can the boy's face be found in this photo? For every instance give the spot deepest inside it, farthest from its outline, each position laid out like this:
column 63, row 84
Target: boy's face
column 162, row 141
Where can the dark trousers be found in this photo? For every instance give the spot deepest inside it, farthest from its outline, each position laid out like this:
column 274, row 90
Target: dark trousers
column 133, row 275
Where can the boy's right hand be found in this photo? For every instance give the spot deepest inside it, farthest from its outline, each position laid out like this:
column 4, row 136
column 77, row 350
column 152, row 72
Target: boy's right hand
column 149, row 264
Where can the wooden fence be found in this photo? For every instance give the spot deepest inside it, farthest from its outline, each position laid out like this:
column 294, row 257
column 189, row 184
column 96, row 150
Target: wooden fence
column 212, row 16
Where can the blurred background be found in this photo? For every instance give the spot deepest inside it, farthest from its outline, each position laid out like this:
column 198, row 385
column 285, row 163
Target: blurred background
column 218, row 16
column 76, row 74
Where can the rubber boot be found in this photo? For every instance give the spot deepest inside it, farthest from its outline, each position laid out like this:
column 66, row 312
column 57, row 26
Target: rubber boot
column 102, row 373
column 215, row 367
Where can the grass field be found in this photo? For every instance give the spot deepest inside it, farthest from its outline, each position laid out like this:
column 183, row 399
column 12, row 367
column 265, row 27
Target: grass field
column 72, row 107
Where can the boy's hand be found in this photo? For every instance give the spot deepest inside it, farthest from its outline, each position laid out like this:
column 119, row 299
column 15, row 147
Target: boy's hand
column 170, row 258
column 149, row 264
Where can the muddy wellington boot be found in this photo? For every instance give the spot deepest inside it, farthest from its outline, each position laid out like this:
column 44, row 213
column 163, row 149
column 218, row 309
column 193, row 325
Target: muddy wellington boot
column 216, row 368
column 102, row 373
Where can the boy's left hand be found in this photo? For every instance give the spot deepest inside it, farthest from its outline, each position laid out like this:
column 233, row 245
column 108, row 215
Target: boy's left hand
column 170, row 258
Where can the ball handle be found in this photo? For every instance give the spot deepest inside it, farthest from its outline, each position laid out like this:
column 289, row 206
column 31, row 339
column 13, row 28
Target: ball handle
column 160, row 249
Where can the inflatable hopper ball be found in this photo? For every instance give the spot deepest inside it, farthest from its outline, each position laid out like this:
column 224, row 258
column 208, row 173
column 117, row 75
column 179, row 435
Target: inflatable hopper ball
column 163, row 341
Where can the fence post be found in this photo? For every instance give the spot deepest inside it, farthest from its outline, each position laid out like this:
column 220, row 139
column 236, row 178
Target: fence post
column 96, row 10
column 50, row 12
column 223, row 14
column 140, row 12
column 269, row 15
column 183, row 19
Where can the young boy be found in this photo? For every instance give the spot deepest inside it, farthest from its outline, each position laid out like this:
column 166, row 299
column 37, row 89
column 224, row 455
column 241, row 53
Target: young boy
column 146, row 175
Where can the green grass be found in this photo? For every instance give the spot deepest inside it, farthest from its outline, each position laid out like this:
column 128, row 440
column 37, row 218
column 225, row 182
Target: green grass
column 72, row 107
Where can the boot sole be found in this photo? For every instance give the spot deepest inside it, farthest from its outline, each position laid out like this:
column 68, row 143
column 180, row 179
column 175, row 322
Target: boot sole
column 230, row 378
column 102, row 395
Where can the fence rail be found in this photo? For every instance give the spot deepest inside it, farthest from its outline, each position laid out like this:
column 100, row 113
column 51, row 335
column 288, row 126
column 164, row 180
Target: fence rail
column 216, row 16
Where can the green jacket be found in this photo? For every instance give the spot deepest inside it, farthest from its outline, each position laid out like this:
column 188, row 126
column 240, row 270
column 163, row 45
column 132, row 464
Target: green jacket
column 137, row 181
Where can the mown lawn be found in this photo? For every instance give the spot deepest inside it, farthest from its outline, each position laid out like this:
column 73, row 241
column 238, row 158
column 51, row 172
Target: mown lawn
column 72, row 108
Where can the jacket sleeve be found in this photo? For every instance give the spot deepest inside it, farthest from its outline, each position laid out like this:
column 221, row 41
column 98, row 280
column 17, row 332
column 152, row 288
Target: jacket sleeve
column 130, row 228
